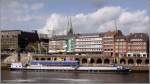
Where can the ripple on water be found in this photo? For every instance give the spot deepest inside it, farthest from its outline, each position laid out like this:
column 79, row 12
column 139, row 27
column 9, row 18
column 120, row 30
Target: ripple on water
column 18, row 81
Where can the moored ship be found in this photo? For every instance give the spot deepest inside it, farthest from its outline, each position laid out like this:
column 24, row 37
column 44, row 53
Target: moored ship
column 65, row 66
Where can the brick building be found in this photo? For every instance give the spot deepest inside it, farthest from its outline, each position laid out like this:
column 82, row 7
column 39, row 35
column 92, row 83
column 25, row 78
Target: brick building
column 138, row 45
column 109, row 42
column 121, row 46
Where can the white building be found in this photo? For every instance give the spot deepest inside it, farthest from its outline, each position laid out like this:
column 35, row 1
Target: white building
column 88, row 43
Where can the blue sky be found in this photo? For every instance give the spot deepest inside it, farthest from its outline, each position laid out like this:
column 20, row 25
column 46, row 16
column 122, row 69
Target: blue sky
column 33, row 14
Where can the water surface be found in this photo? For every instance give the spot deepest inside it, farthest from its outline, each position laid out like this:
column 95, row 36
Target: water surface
column 72, row 77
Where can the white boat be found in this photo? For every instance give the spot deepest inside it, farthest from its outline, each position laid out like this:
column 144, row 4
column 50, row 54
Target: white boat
column 66, row 66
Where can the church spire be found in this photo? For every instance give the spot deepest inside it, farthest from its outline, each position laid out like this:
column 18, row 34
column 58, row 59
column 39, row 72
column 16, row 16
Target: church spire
column 70, row 28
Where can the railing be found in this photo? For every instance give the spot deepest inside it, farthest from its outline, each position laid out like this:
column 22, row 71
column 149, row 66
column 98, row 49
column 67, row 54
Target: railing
column 95, row 55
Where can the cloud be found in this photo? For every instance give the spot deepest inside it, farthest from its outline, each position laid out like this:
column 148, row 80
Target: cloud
column 56, row 22
column 134, row 21
column 20, row 11
column 37, row 6
column 99, row 21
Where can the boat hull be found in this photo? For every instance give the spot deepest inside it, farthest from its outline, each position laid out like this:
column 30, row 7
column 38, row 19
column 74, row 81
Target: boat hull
column 70, row 69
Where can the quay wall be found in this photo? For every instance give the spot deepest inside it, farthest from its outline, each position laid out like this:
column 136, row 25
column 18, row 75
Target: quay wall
column 134, row 63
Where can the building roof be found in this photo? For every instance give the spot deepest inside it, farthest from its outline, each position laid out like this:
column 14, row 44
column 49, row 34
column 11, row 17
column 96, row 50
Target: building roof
column 143, row 36
column 121, row 37
column 114, row 33
column 10, row 30
column 90, row 34
column 60, row 37
column 18, row 31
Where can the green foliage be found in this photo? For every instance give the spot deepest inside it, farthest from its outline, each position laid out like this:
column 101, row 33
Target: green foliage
column 33, row 47
column 2, row 49
column 43, row 49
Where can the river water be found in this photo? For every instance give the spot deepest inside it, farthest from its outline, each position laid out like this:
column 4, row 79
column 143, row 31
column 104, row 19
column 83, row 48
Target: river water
column 72, row 77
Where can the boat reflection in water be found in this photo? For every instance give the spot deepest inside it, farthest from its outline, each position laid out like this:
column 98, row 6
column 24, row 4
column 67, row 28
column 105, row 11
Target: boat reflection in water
column 38, row 76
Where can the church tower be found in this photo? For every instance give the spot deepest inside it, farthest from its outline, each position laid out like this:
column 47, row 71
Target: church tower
column 69, row 28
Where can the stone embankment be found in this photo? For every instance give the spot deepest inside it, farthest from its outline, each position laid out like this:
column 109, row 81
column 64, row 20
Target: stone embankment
column 5, row 63
column 25, row 58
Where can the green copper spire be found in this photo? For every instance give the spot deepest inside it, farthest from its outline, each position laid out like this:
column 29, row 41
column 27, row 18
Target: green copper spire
column 69, row 28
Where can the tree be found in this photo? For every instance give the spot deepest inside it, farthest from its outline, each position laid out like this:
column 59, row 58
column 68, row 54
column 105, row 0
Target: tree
column 35, row 47
column 32, row 47
column 43, row 49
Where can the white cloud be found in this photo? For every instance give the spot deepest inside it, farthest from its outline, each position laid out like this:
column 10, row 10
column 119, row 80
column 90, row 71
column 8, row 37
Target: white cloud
column 19, row 11
column 56, row 21
column 100, row 21
column 134, row 21
column 37, row 6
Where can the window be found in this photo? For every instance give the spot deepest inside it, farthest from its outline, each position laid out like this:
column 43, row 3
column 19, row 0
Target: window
column 138, row 55
column 144, row 55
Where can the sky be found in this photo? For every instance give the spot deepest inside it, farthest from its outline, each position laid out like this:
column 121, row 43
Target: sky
column 87, row 16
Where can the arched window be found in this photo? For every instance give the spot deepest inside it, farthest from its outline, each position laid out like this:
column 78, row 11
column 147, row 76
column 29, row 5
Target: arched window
column 84, row 61
column 139, row 61
column 55, row 59
column 122, row 61
column 99, row 61
column 92, row 60
column 106, row 61
column 36, row 58
column 147, row 61
column 42, row 58
column 130, row 61
column 48, row 58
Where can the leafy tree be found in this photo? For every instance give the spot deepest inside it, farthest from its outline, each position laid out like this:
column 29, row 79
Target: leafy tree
column 32, row 47
column 43, row 49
